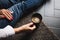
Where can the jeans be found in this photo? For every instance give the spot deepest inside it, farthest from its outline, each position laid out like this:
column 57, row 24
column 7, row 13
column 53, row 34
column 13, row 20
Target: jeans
column 17, row 7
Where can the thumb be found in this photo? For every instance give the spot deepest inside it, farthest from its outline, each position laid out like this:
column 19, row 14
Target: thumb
column 2, row 16
column 32, row 28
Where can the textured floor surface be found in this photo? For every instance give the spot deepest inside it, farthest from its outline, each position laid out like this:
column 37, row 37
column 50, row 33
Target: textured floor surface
column 41, row 33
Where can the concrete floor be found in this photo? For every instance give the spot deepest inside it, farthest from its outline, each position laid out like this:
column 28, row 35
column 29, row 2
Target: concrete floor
column 51, row 15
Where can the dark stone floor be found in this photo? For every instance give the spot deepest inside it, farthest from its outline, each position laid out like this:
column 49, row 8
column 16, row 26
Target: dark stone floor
column 55, row 31
column 41, row 33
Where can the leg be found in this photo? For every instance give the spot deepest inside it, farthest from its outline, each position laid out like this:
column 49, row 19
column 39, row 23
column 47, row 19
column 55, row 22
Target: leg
column 19, row 8
column 17, row 13
column 8, row 3
column 33, row 3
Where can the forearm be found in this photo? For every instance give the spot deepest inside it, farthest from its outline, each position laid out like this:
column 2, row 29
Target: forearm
column 9, row 30
column 19, row 29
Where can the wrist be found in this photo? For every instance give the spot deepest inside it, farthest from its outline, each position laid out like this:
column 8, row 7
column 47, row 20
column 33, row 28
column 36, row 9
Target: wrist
column 19, row 29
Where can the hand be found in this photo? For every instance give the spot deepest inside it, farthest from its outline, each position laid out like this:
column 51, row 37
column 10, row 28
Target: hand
column 7, row 14
column 25, row 27
column 28, row 26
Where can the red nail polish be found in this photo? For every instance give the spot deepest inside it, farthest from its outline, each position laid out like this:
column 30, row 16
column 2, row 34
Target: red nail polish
column 11, row 19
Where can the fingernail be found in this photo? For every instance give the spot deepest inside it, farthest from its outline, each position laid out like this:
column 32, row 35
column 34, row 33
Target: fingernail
column 11, row 19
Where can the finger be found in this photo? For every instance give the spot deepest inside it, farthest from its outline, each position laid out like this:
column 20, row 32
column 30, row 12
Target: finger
column 5, row 14
column 30, row 23
column 10, row 15
column 32, row 28
column 2, row 16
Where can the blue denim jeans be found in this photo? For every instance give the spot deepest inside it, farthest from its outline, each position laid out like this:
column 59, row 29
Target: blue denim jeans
column 17, row 7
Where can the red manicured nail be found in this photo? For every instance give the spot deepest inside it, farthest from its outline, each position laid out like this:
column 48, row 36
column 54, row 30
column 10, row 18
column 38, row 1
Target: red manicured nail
column 11, row 19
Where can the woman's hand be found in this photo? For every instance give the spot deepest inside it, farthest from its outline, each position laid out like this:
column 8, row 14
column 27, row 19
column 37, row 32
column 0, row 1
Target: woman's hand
column 28, row 26
column 6, row 14
column 25, row 27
